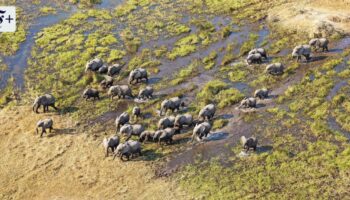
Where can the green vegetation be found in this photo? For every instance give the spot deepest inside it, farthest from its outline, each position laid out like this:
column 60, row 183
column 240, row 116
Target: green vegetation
column 46, row 10
column 249, row 44
column 219, row 93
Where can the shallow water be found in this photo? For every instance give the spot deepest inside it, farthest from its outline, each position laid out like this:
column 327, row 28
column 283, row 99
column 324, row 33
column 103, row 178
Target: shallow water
column 18, row 62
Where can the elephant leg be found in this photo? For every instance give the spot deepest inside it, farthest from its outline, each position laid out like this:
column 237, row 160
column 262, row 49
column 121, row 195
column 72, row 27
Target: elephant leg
column 106, row 155
column 43, row 130
column 37, row 108
column 139, row 152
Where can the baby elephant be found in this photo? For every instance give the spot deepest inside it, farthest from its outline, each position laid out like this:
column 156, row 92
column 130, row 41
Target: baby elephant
column 260, row 51
column 319, row 43
column 136, row 111
column 91, row 93
column 165, row 136
column 124, row 118
column 146, row 136
column 275, row 69
column 138, row 75
column 127, row 149
column 166, row 122
column 110, row 143
column 121, row 91
column 200, row 131
column 146, row 93
column 250, row 143
column 302, row 50
column 129, row 130
column 261, row 93
column 107, row 82
column 45, row 101
column 114, row 69
column 44, row 124
column 248, row 103
column 255, row 58
column 207, row 113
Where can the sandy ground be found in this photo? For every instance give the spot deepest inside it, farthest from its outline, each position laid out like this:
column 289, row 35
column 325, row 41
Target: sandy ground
column 317, row 18
column 67, row 164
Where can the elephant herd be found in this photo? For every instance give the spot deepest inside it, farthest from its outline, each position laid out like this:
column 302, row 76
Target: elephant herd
column 256, row 56
column 168, row 126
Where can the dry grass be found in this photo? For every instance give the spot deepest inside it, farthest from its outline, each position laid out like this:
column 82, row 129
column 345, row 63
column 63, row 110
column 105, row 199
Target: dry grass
column 67, row 164
column 317, row 18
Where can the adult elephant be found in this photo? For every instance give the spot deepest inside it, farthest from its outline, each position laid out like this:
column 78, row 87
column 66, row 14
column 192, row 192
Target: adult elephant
column 138, row 75
column 302, row 51
column 45, row 100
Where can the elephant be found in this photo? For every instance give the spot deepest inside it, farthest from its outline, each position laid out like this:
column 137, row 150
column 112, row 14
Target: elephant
column 275, row 69
column 124, row 118
column 107, row 82
column 129, row 130
column 172, row 104
column 261, row 93
column 146, row 136
column 94, row 65
column 302, row 50
column 201, row 130
column 44, row 124
column 182, row 120
column 319, row 43
column 248, row 102
column 110, row 143
column 255, row 58
column 136, row 111
column 249, row 143
column 114, row 69
column 146, row 93
column 165, row 135
column 260, row 51
column 127, row 149
column 120, row 90
column 138, row 75
column 103, row 69
column 45, row 101
column 166, row 122
column 91, row 93
column 207, row 113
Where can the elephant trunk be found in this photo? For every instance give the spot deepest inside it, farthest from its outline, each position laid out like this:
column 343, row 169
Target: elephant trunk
column 35, row 106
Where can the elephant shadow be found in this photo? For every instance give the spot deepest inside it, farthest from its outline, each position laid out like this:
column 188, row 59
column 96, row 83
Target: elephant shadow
column 263, row 149
column 335, row 50
column 225, row 116
column 149, row 155
column 260, row 105
column 70, row 109
column 272, row 96
column 65, row 131
column 317, row 58
column 154, row 80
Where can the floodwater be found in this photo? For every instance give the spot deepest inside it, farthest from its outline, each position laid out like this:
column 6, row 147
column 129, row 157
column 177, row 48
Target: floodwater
column 18, row 62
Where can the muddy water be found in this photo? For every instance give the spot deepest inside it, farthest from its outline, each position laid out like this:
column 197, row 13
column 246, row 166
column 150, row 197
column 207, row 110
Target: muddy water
column 335, row 127
column 18, row 62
